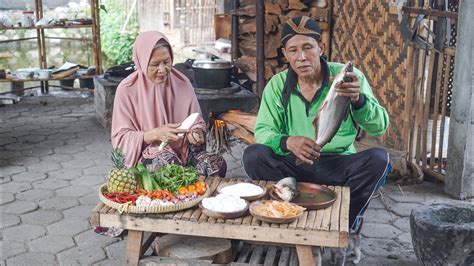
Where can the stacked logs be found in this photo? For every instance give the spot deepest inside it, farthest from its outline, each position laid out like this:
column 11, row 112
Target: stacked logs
column 277, row 13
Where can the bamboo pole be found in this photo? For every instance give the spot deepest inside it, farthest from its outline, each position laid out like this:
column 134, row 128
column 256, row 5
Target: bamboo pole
column 443, row 111
column 408, row 97
column 426, row 109
column 435, row 117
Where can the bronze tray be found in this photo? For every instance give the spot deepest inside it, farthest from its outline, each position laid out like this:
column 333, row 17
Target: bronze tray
column 311, row 196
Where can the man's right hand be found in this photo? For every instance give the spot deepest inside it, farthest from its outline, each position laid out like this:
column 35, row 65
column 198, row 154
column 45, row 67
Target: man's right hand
column 165, row 133
column 304, row 148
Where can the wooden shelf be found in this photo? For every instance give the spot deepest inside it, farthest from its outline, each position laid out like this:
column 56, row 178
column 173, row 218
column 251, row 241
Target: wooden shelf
column 48, row 27
column 48, row 79
column 40, row 37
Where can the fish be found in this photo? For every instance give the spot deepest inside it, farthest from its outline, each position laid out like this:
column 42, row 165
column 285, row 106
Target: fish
column 333, row 110
column 285, row 189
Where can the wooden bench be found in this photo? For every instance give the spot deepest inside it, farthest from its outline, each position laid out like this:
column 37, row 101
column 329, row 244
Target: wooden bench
column 327, row 227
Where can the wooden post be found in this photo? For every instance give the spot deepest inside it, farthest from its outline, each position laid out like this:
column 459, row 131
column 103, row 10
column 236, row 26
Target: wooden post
column 460, row 174
column 260, row 20
column 305, row 255
column 134, row 246
column 235, row 31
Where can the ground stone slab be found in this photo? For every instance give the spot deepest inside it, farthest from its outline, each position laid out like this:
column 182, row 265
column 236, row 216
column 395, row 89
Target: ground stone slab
column 404, row 209
column 380, row 247
column 402, row 224
column 65, row 174
column 69, row 227
column 24, row 160
column 378, row 216
column 82, row 255
column 90, row 199
column 24, row 232
column 44, row 167
column 59, row 203
column 11, row 248
column 111, row 262
column 35, row 195
column 42, row 217
column 9, row 220
column 82, row 212
column 28, row 177
column 116, row 250
column 33, row 259
column 97, row 170
column 380, row 230
column 405, row 238
column 37, row 151
column 5, row 179
column 16, row 187
column 49, row 144
column 380, row 261
column 51, row 184
column 88, row 181
column 90, row 238
column 69, row 149
column 77, row 191
column 6, row 197
column 12, row 169
column 77, row 164
column 19, row 207
column 51, row 244
column 59, row 158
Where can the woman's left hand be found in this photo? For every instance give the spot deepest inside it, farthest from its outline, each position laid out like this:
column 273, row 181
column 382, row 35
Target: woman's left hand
column 350, row 89
column 196, row 137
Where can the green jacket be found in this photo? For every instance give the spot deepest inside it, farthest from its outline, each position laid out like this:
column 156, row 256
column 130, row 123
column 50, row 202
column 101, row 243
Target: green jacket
column 272, row 130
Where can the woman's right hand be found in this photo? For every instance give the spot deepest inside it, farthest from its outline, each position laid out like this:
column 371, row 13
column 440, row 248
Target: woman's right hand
column 165, row 133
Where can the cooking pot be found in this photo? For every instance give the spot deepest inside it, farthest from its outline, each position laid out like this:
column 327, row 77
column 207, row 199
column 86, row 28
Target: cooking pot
column 212, row 73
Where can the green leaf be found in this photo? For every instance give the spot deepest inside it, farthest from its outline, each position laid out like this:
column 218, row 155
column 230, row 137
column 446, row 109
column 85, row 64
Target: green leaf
column 103, row 8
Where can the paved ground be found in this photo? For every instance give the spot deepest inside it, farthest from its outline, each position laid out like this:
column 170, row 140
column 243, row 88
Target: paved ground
column 54, row 156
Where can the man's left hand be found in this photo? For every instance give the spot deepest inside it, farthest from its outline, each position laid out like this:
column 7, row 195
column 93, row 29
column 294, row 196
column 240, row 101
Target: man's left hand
column 350, row 89
column 196, row 137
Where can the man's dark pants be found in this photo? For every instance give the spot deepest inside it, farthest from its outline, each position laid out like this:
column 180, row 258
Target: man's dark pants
column 363, row 172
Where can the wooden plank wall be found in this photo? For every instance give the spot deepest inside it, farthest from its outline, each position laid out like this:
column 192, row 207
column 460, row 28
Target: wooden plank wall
column 367, row 32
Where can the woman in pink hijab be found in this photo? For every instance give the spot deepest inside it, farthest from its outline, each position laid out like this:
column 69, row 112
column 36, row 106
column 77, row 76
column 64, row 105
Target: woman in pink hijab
column 149, row 106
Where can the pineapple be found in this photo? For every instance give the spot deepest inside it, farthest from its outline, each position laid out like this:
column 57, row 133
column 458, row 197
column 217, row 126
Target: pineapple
column 120, row 178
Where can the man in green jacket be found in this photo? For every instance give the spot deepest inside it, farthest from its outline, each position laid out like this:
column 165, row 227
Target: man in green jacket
column 284, row 129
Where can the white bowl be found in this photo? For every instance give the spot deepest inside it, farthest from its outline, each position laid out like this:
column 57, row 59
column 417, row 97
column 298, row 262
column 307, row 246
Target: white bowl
column 44, row 73
column 25, row 73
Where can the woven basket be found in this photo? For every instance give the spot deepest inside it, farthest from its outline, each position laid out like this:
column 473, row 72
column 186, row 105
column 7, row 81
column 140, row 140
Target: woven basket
column 128, row 208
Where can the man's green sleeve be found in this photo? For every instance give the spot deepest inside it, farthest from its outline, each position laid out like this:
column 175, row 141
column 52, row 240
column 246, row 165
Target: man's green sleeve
column 372, row 117
column 270, row 128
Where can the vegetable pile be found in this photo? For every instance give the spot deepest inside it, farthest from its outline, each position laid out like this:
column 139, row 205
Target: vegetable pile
column 170, row 184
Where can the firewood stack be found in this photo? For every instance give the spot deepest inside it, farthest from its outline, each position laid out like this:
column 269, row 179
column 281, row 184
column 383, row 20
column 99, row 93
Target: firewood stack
column 277, row 13
column 241, row 125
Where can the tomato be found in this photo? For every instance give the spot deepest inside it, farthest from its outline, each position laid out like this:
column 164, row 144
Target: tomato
column 201, row 190
column 200, row 183
column 182, row 190
column 191, row 188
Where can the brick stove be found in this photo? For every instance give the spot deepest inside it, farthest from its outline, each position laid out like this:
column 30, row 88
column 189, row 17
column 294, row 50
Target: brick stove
column 212, row 101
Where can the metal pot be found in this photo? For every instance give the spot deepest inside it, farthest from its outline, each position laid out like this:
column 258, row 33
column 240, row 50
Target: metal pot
column 212, row 74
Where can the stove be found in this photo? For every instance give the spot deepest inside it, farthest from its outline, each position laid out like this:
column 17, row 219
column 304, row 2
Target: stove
column 235, row 97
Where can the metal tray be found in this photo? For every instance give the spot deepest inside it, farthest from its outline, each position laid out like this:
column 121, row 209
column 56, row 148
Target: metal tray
column 311, row 196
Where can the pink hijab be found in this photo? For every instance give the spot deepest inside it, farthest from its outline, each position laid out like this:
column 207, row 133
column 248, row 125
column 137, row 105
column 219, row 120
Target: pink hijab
column 141, row 105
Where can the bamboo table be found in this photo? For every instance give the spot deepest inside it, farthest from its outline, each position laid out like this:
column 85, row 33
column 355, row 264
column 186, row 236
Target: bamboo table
column 327, row 227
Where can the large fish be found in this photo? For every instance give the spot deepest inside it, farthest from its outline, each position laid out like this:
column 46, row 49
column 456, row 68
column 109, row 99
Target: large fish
column 333, row 110
column 285, row 189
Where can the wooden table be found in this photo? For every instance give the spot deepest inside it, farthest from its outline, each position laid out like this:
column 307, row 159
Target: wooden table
column 327, row 227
